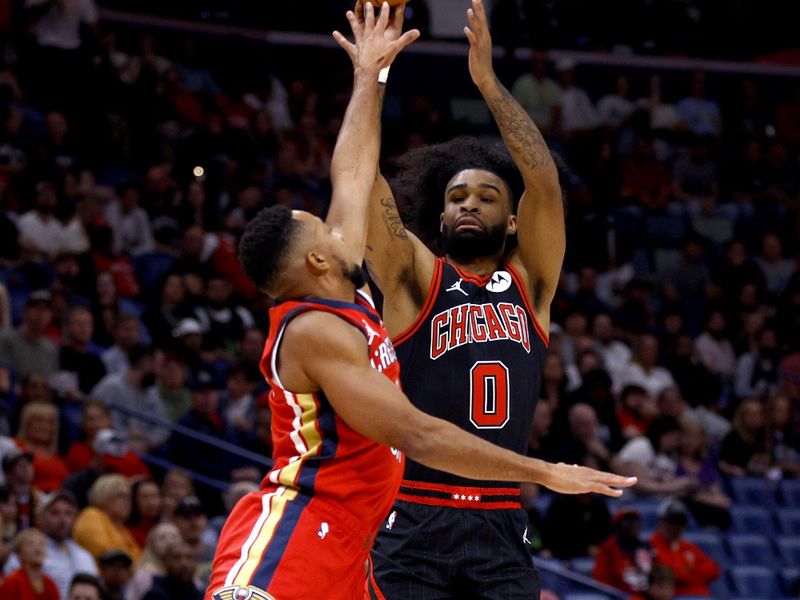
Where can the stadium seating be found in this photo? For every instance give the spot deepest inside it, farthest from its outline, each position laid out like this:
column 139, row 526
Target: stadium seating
column 753, row 491
column 751, row 549
column 755, row 582
column 789, row 492
column 582, row 565
column 752, row 519
column 711, row 544
column 788, row 520
column 789, row 550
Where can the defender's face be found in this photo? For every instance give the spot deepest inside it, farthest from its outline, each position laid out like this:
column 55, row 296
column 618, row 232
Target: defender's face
column 328, row 241
column 475, row 203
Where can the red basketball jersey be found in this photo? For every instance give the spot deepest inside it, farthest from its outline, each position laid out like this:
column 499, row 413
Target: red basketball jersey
column 315, row 452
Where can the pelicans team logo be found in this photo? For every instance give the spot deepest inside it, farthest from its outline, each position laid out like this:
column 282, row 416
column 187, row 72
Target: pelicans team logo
column 235, row 592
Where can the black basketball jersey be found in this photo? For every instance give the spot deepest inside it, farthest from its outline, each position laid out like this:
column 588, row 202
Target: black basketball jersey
column 474, row 357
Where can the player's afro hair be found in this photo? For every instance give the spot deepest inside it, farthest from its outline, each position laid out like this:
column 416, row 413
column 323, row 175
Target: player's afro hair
column 425, row 171
column 423, row 174
column 264, row 244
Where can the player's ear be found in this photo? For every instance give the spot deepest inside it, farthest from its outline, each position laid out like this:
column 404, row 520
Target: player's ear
column 512, row 225
column 317, row 261
column 441, row 223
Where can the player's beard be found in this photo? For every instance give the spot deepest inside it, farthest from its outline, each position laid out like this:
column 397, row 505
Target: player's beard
column 353, row 273
column 465, row 245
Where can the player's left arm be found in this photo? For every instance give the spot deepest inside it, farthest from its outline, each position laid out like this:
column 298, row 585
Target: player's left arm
column 354, row 165
column 540, row 217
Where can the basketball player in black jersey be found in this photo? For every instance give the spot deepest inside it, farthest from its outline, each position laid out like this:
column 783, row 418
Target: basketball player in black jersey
column 470, row 329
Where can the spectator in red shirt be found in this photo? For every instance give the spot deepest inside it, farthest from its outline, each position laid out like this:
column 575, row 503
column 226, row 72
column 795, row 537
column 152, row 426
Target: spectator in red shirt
column 29, row 581
column 38, row 433
column 694, row 570
column 623, row 560
column 146, row 511
column 635, row 411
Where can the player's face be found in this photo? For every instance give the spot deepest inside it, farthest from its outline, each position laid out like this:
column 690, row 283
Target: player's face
column 477, row 215
column 331, row 243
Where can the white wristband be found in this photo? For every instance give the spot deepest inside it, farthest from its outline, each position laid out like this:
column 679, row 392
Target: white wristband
column 383, row 75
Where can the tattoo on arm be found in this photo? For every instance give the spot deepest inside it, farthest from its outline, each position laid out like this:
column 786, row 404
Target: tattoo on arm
column 520, row 133
column 392, row 221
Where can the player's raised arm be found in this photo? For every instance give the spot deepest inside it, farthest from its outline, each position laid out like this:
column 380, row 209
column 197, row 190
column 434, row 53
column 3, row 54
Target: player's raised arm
column 540, row 218
column 355, row 158
column 376, row 408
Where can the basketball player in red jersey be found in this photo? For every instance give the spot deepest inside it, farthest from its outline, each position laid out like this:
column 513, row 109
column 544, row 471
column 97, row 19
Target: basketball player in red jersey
column 470, row 331
column 340, row 423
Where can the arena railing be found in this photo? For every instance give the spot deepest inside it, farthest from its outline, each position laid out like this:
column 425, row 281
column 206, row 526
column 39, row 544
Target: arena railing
column 555, row 576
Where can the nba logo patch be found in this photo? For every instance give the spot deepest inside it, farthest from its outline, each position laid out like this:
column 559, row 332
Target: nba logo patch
column 235, row 592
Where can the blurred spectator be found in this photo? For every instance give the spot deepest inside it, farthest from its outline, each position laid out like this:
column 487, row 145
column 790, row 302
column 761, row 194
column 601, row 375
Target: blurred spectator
column 698, row 114
column 40, row 230
column 38, row 433
column 539, row 95
column 223, row 321
column 29, row 582
column 146, row 509
column 615, row 353
column 616, row 108
column 230, row 497
column 554, row 379
column 8, row 521
column 18, row 469
column 180, row 563
column 162, row 317
column 660, row 585
column 151, row 564
column 714, row 348
column 671, row 403
column 134, row 390
column 694, row 570
column 695, row 177
column 644, row 370
column 782, row 434
column 238, row 400
column 756, row 371
column 709, row 504
column 101, row 526
column 744, row 450
column 175, row 486
column 579, row 114
column 26, row 347
column 645, row 180
column 63, row 557
column 84, row 587
column 126, row 337
column 172, row 387
column 78, row 354
column 584, row 446
column 129, row 222
column 576, row 525
column 636, row 410
column 653, row 459
column 96, row 417
column 115, row 573
column 776, row 269
column 191, row 520
column 624, row 561
column 701, row 388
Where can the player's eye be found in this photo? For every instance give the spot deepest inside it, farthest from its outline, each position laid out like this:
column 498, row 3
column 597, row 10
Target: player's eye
column 486, row 199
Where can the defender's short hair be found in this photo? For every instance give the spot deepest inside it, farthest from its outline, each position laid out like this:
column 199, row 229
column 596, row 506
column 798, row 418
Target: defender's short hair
column 264, row 244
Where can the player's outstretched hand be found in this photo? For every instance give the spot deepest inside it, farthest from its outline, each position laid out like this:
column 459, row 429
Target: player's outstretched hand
column 480, row 44
column 396, row 17
column 573, row 479
column 377, row 40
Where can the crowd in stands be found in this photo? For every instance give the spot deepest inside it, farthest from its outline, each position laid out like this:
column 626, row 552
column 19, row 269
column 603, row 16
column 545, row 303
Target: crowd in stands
column 127, row 176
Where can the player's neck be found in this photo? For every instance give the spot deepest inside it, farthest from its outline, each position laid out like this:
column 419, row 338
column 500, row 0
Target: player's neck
column 481, row 266
column 324, row 288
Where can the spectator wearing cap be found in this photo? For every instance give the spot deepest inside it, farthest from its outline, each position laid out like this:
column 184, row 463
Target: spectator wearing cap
column 27, row 347
column 110, row 454
column 146, row 510
column 18, row 469
column 180, row 563
column 134, row 390
column 84, row 587
column 126, row 336
column 205, row 417
column 63, row 557
column 539, row 95
column 38, row 433
column 694, row 570
column 78, row 354
column 191, row 520
column 151, row 564
column 101, row 526
column 624, row 561
column 29, row 581
column 660, row 585
column 115, row 573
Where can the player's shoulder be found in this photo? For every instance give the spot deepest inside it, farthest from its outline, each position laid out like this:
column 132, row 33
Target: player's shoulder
column 321, row 331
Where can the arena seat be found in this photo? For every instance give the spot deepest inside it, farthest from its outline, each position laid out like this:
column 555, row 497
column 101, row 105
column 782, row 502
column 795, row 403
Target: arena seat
column 751, row 549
